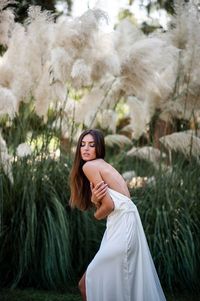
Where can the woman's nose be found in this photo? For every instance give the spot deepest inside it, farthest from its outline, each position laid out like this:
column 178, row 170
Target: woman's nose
column 86, row 146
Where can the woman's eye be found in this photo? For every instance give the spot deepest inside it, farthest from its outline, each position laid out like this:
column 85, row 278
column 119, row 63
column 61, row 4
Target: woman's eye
column 90, row 144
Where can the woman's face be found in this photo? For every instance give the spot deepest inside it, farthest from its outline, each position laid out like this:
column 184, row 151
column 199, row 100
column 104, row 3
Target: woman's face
column 88, row 151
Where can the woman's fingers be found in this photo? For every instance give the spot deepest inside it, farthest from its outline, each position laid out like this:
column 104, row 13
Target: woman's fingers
column 101, row 189
column 99, row 185
column 96, row 188
column 101, row 192
column 98, row 192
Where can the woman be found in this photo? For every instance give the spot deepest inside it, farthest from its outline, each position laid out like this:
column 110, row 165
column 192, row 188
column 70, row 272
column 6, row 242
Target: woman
column 122, row 269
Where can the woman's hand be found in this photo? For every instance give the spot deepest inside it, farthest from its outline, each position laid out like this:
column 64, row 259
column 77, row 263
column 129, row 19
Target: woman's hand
column 98, row 192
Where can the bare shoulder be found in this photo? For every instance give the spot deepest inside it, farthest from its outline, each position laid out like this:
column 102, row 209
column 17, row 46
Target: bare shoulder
column 92, row 165
column 92, row 170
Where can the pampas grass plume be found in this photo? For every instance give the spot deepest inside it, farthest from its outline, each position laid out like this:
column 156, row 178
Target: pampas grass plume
column 8, row 102
column 6, row 25
column 5, row 159
column 117, row 139
column 187, row 144
column 23, row 150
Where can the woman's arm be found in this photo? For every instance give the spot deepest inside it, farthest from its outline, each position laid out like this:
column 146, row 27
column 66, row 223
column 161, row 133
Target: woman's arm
column 91, row 171
column 98, row 192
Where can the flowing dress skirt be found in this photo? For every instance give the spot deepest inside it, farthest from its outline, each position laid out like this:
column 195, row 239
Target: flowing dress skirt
column 123, row 269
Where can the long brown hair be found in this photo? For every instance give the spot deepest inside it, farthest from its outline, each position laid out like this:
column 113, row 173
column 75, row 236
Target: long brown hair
column 79, row 184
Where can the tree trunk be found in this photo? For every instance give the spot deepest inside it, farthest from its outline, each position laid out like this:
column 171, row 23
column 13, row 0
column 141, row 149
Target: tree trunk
column 161, row 128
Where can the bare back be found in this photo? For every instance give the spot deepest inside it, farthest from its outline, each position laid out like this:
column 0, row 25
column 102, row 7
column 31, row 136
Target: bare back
column 112, row 177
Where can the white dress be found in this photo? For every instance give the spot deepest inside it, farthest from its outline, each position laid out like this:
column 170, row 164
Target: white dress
column 123, row 269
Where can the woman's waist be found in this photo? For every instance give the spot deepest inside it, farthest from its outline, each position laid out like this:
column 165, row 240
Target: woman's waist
column 116, row 220
column 121, row 211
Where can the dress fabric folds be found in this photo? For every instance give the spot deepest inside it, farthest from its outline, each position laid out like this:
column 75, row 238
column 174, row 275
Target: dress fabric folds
column 123, row 269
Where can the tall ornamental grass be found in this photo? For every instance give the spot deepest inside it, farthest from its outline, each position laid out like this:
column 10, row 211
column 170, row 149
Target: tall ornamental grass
column 170, row 211
column 35, row 230
column 46, row 244
column 43, row 243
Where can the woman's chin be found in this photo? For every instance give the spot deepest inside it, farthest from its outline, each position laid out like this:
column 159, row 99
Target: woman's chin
column 88, row 159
